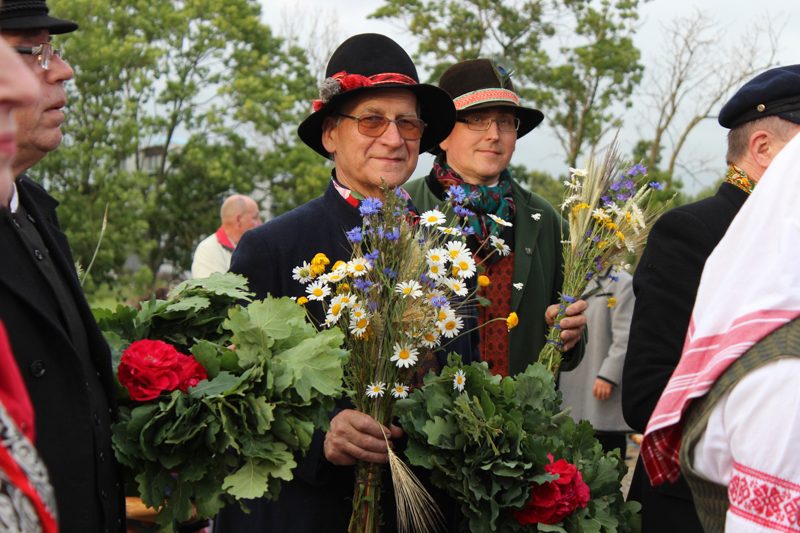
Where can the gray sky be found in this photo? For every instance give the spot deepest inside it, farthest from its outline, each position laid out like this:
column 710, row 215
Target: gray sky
column 702, row 159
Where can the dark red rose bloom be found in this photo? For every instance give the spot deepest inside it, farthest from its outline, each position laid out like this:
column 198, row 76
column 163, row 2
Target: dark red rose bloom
column 148, row 368
column 552, row 502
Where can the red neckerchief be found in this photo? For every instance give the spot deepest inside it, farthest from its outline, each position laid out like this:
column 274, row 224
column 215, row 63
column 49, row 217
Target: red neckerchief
column 223, row 240
column 13, row 394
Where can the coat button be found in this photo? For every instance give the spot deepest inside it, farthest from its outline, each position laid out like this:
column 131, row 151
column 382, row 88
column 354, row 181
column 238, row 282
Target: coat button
column 30, row 217
column 16, row 223
column 37, row 253
column 38, row 368
column 102, row 457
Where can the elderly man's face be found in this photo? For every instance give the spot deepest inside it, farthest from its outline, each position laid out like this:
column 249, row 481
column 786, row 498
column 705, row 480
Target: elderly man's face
column 480, row 156
column 39, row 124
column 361, row 160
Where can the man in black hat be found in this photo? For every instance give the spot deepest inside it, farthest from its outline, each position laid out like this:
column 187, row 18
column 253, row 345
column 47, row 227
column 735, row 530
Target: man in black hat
column 373, row 118
column 61, row 352
column 526, row 276
column 762, row 117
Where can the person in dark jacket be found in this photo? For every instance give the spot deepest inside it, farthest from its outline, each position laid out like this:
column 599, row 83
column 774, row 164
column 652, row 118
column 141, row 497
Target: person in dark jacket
column 63, row 357
column 762, row 116
column 373, row 119
column 528, row 278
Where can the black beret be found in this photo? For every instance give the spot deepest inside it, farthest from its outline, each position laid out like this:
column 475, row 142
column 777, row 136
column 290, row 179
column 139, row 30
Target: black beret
column 774, row 92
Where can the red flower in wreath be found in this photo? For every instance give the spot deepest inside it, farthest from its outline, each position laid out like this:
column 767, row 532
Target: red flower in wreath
column 148, row 368
column 555, row 500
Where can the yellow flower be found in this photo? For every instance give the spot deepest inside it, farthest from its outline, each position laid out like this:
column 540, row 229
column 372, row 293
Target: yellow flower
column 342, row 288
column 602, row 244
column 484, row 281
column 621, row 236
column 338, row 264
column 302, row 300
column 612, row 301
column 512, row 321
column 319, row 263
column 578, row 207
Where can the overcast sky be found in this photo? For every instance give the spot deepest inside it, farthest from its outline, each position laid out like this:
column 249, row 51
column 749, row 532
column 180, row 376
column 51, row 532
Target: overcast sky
column 703, row 156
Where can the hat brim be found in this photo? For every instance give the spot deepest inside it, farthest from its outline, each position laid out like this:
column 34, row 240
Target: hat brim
column 436, row 109
column 54, row 25
column 529, row 118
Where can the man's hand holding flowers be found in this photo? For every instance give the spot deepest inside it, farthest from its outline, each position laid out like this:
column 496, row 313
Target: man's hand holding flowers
column 571, row 325
column 355, row 436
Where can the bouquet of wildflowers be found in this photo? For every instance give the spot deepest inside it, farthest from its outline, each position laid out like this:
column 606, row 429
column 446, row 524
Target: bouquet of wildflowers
column 403, row 293
column 508, row 454
column 609, row 216
column 218, row 398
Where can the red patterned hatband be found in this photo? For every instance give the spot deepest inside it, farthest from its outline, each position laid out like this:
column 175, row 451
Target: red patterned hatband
column 341, row 82
column 485, row 95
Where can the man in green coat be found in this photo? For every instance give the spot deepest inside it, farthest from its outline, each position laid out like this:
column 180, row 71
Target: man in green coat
column 525, row 271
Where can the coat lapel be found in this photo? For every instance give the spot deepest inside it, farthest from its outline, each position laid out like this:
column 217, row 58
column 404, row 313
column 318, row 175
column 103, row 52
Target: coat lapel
column 526, row 232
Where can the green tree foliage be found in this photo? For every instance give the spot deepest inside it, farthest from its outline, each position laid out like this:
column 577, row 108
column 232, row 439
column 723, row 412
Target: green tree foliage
column 174, row 105
column 542, row 183
column 581, row 86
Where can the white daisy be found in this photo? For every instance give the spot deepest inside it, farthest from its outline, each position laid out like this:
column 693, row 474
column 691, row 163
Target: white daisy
column 400, row 391
column 405, row 356
column 345, row 300
column 436, row 256
column 451, row 326
column 499, row 220
column 358, row 326
column 358, row 267
column 335, row 276
column 447, row 230
column 459, row 380
column 436, row 271
column 302, row 273
column 357, row 312
column 518, row 286
column 376, row 390
column 578, row 172
column 458, row 287
column 454, row 248
column 434, row 217
column 318, row 290
column 465, row 265
column 536, row 216
column 430, row 339
column 410, row 289
column 499, row 245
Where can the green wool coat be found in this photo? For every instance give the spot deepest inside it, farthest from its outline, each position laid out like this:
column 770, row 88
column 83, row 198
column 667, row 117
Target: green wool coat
column 537, row 265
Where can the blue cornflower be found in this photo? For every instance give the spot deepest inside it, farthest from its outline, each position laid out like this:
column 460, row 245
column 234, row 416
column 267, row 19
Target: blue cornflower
column 589, row 276
column 463, row 212
column 636, row 169
column 391, row 274
column 392, row 235
column 370, row 206
column 615, row 186
column 362, row 284
column 372, row 256
column 456, row 194
column 613, row 277
column 656, row 185
column 354, row 235
column 439, row 301
column 467, row 230
column 372, row 305
column 425, row 280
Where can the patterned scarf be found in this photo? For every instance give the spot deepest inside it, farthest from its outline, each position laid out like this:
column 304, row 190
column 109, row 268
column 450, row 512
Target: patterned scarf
column 739, row 178
column 484, row 199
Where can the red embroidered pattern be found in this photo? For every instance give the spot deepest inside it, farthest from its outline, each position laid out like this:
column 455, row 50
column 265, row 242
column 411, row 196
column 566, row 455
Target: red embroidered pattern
column 764, row 499
column 485, row 95
column 348, row 82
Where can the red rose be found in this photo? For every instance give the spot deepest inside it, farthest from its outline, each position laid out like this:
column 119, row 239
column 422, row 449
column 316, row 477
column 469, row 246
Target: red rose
column 148, row 368
column 555, row 500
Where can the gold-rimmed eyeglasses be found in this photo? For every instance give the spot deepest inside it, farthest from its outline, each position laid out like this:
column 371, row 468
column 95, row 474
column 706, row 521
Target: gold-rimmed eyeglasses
column 484, row 122
column 409, row 128
column 44, row 53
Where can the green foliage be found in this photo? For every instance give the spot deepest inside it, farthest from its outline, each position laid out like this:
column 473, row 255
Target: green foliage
column 579, row 86
column 237, row 434
column 542, row 183
column 174, row 105
column 488, row 445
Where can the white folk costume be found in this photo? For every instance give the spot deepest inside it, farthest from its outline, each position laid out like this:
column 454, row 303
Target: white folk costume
column 735, row 395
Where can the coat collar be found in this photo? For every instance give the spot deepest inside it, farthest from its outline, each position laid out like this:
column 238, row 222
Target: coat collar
column 527, row 222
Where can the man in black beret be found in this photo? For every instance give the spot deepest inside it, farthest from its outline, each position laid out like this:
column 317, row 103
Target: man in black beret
column 61, row 352
column 762, row 117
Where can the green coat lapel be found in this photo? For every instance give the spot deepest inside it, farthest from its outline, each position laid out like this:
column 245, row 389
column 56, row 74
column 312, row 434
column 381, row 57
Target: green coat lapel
column 526, row 232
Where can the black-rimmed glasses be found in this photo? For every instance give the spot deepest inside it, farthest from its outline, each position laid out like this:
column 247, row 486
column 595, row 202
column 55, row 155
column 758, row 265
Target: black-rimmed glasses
column 44, row 53
column 409, row 128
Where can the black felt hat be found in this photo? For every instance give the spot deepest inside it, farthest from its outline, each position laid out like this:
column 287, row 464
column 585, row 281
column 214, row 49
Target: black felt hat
column 479, row 83
column 368, row 62
column 32, row 15
column 774, row 92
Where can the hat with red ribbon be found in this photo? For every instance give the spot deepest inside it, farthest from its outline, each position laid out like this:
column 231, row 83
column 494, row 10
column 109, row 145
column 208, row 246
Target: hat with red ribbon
column 370, row 62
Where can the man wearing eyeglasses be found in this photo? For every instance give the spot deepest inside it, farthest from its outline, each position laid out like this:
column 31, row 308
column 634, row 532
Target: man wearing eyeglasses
column 62, row 355
column 526, row 276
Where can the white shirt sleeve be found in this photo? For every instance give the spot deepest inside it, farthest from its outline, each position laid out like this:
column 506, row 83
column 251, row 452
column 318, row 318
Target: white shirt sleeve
column 752, row 446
